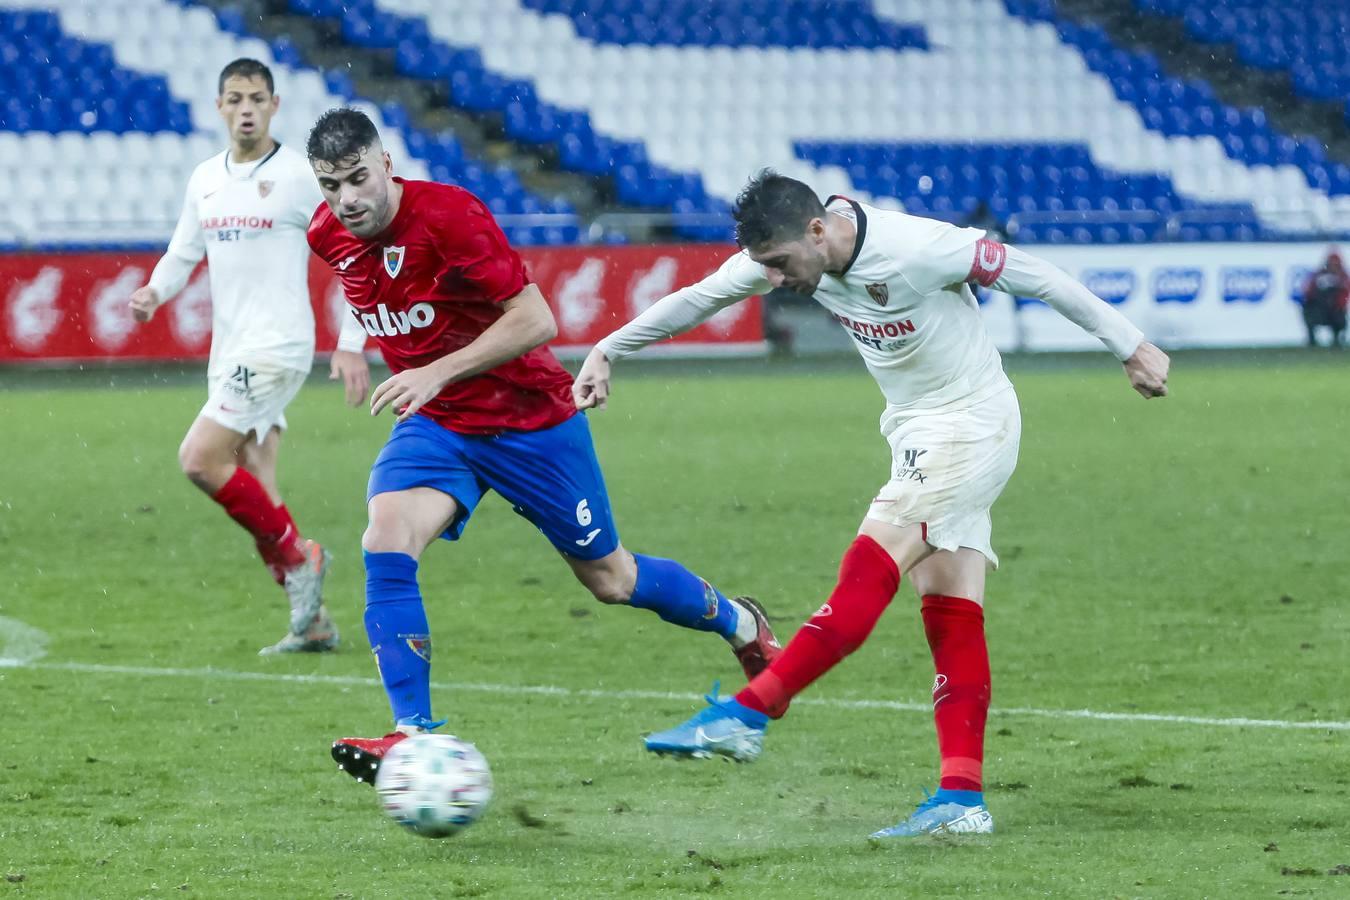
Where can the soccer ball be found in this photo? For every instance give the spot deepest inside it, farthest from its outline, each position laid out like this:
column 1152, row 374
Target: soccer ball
column 434, row 784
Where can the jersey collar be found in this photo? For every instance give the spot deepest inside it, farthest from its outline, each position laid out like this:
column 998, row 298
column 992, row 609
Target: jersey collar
column 861, row 228
column 262, row 162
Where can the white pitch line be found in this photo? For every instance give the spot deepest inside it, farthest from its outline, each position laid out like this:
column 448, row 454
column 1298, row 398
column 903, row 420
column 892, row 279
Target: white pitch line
column 20, row 643
column 589, row 693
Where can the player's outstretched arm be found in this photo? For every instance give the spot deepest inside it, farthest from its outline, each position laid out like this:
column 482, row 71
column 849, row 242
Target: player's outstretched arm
column 1029, row 276
column 526, row 322
column 737, row 279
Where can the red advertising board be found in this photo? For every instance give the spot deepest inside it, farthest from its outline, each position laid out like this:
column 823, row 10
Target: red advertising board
column 73, row 306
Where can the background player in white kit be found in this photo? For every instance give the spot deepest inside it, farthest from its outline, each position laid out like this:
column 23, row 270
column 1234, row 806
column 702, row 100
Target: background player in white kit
column 246, row 210
column 901, row 286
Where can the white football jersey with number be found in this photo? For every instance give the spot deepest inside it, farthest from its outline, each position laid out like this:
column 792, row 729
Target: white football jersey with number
column 249, row 221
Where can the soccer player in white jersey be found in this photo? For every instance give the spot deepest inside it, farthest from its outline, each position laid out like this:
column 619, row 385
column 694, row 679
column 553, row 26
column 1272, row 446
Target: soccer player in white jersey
column 246, row 210
column 900, row 285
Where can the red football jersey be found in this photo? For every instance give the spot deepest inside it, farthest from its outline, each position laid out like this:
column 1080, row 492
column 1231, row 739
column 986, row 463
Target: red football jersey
column 430, row 284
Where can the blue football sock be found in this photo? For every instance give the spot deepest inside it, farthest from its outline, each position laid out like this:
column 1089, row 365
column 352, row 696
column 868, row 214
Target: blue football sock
column 681, row 597
column 396, row 623
column 964, row 798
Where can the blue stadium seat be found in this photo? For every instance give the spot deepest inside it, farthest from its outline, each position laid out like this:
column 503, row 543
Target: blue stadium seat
column 57, row 83
column 948, row 180
column 1305, row 38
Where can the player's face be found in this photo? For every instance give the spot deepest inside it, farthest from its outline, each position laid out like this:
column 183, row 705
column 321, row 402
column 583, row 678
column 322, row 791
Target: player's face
column 247, row 107
column 358, row 190
column 795, row 265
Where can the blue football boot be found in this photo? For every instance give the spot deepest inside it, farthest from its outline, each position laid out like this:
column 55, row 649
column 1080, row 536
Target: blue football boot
column 723, row 728
column 946, row 812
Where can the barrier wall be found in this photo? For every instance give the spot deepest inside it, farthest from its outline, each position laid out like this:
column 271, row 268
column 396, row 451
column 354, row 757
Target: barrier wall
column 72, row 307
column 1181, row 295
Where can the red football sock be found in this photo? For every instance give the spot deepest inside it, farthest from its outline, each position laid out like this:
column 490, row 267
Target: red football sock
column 955, row 630
column 868, row 579
column 278, row 556
column 245, row 499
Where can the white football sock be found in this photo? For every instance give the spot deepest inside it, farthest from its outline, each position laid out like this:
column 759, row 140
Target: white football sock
column 747, row 629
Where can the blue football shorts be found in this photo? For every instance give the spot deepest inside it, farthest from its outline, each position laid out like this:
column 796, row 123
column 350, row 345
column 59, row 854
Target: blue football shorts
column 551, row 477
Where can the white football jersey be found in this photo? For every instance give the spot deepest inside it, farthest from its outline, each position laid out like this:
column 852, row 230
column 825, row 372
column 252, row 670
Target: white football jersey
column 904, row 300
column 249, row 220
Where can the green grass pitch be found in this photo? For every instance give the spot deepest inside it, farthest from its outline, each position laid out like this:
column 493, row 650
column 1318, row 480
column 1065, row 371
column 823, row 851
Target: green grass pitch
column 1185, row 557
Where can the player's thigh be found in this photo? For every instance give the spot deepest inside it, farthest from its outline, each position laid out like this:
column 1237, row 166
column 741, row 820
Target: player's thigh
column 959, row 573
column 250, row 397
column 420, row 456
column 260, row 457
column 947, row 471
column 904, row 543
column 407, row 521
column 209, row 444
column 552, row 478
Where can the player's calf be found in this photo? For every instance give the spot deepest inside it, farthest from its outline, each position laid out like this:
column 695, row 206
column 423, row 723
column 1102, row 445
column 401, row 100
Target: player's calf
column 680, row 597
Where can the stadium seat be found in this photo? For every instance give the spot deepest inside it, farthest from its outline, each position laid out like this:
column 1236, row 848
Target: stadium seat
column 676, row 102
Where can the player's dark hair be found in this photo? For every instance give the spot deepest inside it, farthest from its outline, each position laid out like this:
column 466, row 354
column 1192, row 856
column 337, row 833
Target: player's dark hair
column 246, row 68
column 341, row 136
column 774, row 208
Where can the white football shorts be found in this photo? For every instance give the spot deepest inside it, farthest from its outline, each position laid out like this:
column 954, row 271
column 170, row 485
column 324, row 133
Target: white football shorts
column 947, row 469
column 251, row 397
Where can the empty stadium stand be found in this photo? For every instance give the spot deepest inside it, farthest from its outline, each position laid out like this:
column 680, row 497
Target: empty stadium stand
column 938, row 107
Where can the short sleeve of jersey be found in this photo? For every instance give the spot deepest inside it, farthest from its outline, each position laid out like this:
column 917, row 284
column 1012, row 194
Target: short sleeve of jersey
column 317, row 233
column 937, row 254
column 485, row 264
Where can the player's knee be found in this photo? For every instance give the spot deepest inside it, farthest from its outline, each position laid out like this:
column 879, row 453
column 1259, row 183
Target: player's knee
column 389, row 537
column 610, row 590
column 197, row 465
column 611, row 579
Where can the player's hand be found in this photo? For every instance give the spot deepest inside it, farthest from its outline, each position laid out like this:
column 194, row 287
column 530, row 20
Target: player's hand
column 408, row 391
column 144, row 302
column 1147, row 369
column 354, row 372
column 590, row 390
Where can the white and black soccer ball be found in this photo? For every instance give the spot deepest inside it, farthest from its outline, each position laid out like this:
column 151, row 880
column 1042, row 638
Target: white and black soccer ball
column 434, row 784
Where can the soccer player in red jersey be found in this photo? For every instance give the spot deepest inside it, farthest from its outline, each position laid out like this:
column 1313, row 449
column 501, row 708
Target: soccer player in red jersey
column 481, row 405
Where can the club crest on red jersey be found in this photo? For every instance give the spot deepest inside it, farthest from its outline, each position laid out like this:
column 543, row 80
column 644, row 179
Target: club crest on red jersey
column 393, row 260
column 880, row 292
column 265, row 188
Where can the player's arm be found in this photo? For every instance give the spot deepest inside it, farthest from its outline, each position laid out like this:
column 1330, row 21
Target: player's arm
column 526, row 322
column 1030, row 276
column 186, row 249
column 944, row 255
column 737, row 279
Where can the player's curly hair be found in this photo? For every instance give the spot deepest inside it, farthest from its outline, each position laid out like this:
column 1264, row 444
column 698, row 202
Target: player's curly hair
column 341, row 136
column 774, row 208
